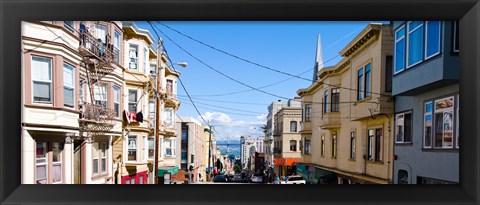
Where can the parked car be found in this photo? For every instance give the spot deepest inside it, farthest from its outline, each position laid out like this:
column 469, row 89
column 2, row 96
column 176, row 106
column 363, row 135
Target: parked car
column 220, row 178
column 296, row 179
column 238, row 178
column 257, row 178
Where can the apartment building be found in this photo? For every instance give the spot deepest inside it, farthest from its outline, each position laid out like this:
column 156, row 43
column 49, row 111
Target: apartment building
column 69, row 117
column 287, row 138
column 248, row 146
column 347, row 125
column 426, row 89
column 192, row 145
column 273, row 108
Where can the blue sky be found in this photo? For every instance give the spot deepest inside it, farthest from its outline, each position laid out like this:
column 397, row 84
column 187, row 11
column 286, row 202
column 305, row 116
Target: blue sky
column 286, row 46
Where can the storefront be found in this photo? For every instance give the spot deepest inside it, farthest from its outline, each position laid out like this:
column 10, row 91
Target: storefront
column 171, row 170
column 315, row 175
column 138, row 178
column 286, row 166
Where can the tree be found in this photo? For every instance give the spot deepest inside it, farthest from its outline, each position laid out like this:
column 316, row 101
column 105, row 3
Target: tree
column 237, row 168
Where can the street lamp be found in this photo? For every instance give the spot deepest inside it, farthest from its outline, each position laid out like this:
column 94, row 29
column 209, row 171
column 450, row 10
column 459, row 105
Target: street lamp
column 182, row 64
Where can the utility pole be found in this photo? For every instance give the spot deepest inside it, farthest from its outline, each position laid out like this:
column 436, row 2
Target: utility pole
column 157, row 113
column 209, row 153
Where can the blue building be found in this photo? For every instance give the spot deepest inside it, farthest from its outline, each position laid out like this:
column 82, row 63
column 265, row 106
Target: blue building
column 426, row 72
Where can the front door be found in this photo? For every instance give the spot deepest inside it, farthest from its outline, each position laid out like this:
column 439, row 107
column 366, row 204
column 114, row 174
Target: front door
column 77, row 165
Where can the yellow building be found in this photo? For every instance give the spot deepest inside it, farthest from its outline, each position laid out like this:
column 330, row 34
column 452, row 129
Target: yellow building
column 348, row 114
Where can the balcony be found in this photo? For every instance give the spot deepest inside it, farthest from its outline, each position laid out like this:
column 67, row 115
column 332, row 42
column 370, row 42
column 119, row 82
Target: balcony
column 277, row 134
column 305, row 127
column 96, row 119
column 171, row 99
column 104, row 55
column 330, row 120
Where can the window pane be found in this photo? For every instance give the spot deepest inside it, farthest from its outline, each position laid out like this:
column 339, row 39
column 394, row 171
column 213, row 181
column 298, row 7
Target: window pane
column 415, row 45
column 438, row 129
column 399, row 55
column 378, row 144
column 367, row 80
column 95, row 153
column 101, row 32
column 57, row 152
column 100, row 92
column 448, row 129
column 68, row 75
column 41, row 91
column 95, row 166
column 151, row 148
column 360, row 84
column 41, row 68
column 41, row 150
column 104, row 165
column 57, row 173
column 428, row 130
column 68, row 96
column 433, row 37
column 116, row 94
column 407, row 128
column 132, row 96
column 41, row 174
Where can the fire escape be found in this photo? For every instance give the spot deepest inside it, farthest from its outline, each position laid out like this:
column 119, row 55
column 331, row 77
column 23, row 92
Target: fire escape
column 98, row 59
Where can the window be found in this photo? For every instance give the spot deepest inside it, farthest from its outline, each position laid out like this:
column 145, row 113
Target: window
column 352, row 145
column 42, row 163
column 116, row 100
column 42, row 79
column 293, row 126
column 334, row 145
column 325, row 105
column 116, row 46
column 132, row 148
column 170, row 148
column 335, row 99
column 400, row 49
column 367, row 81
column 403, row 129
column 68, row 85
column 456, row 39
column 69, row 25
column 47, row 172
column 169, row 86
column 132, row 100
column 322, row 148
column 307, row 146
column 151, row 109
column 100, row 95
column 56, row 161
column 360, row 84
column 146, row 64
column 308, row 108
column 99, row 157
column 427, row 125
column 443, row 122
column 101, row 33
column 82, row 100
column 151, row 148
column 457, row 127
column 402, row 177
column 133, row 54
column 145, row 148
column 169, row 119
column 432, row 38
column 414, row 42
column 388, row 74
column 375, row 144
column 293, row 145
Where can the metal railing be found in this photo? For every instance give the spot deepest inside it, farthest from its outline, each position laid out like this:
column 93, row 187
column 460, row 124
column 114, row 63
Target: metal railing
column 96, row 47
column 96, row 112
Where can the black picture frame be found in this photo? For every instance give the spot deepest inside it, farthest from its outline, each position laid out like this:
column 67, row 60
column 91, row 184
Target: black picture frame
column 12, row 12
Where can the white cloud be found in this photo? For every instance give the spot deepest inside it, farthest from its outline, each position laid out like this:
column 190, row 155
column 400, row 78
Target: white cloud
column 225, row 126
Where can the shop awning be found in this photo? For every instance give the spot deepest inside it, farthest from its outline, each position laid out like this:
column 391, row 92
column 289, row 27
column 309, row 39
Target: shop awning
column 286, row 161
column 171, row 170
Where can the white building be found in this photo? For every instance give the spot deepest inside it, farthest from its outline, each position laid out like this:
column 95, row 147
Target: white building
column 248, row 146
column 273, row 108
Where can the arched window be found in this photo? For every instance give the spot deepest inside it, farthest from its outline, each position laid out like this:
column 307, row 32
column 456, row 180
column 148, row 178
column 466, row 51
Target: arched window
column 402, row 177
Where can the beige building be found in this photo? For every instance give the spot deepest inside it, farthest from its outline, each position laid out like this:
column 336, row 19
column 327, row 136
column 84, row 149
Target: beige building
column 348, row 114
column 287, row 138
column 71, row 73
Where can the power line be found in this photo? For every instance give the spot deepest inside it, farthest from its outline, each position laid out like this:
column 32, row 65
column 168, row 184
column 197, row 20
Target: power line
column 216, row 106
column 179, row 79
column 293, row 76
column 222, row 111
column 222, row 101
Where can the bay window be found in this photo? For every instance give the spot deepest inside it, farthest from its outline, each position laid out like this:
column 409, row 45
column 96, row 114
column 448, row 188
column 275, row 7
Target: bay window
column 432, row 38
column 145, row 148
column 293, row 126
column 403, row 128
column 170, row 148
column 367, row 82
column 322, row 146
column 132, row 100
column 335, row 99
column 169, row 119
column 132, row 148
column 69, row 25
column 307, row 146
column 116, row 100
column 151, row 148
column 360, row 84
column 99, row 157
column 100, row 95
column 308, row 108
column 334, row 145
column 414, row 42
column 146, row 64
column 293, row 145
column 41, row 163
column 399, row 49
column 42, row 79
column 325, row 105
column 116, row 46
column 68, row 85
column 101, row 33
column 133, row 54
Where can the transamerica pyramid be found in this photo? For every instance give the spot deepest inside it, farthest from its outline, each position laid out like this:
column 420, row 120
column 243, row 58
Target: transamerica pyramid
column 318, row 59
